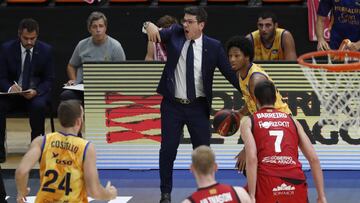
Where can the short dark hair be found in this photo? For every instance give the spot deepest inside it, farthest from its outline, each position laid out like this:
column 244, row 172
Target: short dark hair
column 96, row 15
column 68, row 111
column 265, row 92
column 166, row 21
column 29, row 24
column 268, row 14
column 199, row 12
column 243, row 43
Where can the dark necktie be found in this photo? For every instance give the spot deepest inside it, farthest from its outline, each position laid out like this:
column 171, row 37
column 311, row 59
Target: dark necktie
column 190, row 84
column 26, row 71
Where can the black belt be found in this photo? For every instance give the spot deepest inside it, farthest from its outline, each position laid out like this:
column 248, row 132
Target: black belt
column 188, row 101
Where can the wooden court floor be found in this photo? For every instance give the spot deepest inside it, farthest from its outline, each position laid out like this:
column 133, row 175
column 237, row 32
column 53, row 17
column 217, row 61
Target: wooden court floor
column 18, row 139
column 143, row 186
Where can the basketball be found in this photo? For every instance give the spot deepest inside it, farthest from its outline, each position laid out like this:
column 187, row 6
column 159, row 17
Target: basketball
column 226, row 122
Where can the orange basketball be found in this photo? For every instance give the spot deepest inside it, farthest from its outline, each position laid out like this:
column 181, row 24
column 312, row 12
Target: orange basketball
column 226, row 122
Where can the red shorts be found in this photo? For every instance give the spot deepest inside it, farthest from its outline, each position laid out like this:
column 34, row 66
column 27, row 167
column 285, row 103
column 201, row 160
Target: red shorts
column 271, row 189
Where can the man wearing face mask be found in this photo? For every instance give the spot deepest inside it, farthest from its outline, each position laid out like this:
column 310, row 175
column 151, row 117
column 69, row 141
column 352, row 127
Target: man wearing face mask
column 186, row 86
column 26, row 64
column 99, row 47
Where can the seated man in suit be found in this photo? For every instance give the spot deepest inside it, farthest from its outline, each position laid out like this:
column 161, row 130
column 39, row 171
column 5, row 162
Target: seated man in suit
column 25, row 64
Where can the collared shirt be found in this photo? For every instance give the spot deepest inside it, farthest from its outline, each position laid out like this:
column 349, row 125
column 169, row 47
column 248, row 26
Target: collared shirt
column 180, row 71
column 23, row 55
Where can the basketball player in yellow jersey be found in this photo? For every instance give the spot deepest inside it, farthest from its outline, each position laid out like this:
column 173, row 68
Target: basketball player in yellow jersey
column 241, row 54
column 67, row 163
column 271, row 42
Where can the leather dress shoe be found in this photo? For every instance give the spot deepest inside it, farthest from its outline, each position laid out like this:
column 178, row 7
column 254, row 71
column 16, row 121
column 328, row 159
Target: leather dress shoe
column 165, row 198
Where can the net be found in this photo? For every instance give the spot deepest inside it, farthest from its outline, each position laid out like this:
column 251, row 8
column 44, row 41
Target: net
column 335, row 78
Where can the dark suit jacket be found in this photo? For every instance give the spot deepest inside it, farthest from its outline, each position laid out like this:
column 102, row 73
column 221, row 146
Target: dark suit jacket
column 42, row 70
column 213, row 56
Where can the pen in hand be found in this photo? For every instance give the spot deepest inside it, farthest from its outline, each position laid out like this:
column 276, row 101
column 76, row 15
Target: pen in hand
column 18, row 88
column 70, row 83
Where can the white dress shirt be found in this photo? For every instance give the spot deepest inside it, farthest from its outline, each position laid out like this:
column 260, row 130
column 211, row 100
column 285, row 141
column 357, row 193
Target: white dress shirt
column 180, row 71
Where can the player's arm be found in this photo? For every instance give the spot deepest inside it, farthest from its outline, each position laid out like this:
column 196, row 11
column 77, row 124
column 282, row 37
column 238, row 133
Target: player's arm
column 240, row 157
column 242, row 194
column 150, row 51
column 93, row 185
column 26, row 164
column 255, row 79
column 249, row 37
column 320, row 26
column 251, row 155
column 309, row 152
column 289, row 46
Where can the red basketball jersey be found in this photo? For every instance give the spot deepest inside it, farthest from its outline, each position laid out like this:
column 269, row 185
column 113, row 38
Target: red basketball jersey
column 215, row 193
column 277, row 140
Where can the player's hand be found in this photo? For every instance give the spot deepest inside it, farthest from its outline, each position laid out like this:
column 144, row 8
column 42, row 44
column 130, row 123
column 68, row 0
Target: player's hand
column 322, row 45
column 21, row 196
column 153, row 33
column 112, row 190
column 353, row 46
column 241, row 160
column 321, row 200
column 29, row 95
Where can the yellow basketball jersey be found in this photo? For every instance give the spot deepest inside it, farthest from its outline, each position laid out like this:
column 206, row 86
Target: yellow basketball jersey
column 274, row 52
column 61, row 169
column 250, row 103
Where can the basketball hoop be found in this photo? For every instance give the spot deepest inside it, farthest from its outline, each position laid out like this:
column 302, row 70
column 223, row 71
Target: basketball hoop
column 335, row 78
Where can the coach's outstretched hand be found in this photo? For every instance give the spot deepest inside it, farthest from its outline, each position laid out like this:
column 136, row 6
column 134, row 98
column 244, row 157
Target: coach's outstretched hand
column 153, row 32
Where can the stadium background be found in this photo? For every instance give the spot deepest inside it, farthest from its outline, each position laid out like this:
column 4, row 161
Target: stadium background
column 64, row 26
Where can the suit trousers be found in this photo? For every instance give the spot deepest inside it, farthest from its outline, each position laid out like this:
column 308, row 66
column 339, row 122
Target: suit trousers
column 173, row 118
column 16, row 103
column 2, row 189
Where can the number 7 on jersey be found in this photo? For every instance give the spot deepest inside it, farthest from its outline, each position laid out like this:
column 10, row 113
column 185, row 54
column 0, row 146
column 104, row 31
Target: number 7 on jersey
column 279, row 136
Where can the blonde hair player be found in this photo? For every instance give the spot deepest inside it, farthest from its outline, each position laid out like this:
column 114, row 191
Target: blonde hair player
column 67, row 163
column 203, row 167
